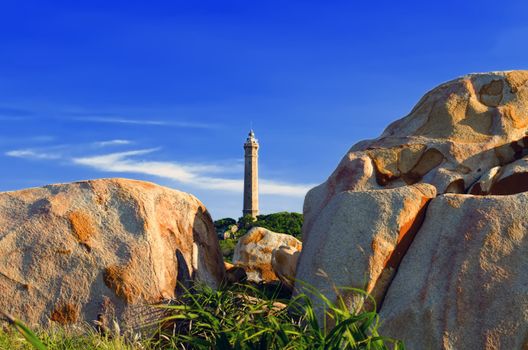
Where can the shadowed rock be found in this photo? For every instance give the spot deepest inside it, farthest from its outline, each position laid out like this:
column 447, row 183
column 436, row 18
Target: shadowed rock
column 284, row 263
column 509, row 179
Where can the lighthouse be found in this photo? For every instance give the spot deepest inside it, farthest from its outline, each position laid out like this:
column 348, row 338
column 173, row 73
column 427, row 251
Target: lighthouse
column 251, row 202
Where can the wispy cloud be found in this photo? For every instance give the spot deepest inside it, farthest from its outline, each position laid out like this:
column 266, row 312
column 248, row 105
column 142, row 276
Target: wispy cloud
column 207, row 176
column 197, row 175
column 152, row 122
column 112, row 143
column 32, row 154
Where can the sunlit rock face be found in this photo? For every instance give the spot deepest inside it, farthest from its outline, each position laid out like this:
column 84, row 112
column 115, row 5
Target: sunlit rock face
column 452, row 136
column 101, row 250
column 464, row 283
column 365, row 236
column 467, row 136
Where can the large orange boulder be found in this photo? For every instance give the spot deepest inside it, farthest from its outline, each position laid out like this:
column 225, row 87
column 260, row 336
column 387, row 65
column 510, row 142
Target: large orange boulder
column 467, row 137
column 452, row 136
column 99, row 250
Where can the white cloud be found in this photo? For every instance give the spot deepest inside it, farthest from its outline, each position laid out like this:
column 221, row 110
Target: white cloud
column 204, row 176
column 29, row 153
column 112, row 143
column 118, row 120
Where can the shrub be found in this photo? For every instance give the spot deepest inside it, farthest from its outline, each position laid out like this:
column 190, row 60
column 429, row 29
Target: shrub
column 283, row 222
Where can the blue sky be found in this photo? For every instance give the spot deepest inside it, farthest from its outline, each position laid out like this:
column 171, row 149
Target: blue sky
column 166, row 91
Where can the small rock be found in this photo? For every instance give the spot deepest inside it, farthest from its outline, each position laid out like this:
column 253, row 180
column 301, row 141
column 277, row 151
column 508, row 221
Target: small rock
column 254, row 250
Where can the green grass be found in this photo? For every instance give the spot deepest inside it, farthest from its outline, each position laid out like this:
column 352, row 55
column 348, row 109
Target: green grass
column 59, row 339
column 242, row 317
column 235, row 317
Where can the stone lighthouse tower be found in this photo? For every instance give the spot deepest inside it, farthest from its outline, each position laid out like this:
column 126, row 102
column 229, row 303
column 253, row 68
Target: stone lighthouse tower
column 251, row 203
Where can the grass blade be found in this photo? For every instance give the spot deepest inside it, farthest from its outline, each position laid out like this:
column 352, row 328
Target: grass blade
column 26, row 332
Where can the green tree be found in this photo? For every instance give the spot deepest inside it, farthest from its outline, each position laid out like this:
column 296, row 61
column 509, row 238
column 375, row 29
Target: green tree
column 223, row 224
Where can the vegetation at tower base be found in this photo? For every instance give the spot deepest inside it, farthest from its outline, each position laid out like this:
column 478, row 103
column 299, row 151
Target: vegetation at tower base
column 222, row 225
column 284, row 222
column 232, row 317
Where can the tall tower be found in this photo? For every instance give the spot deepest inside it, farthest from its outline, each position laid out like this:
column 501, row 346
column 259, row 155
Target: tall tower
column 251, row 204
